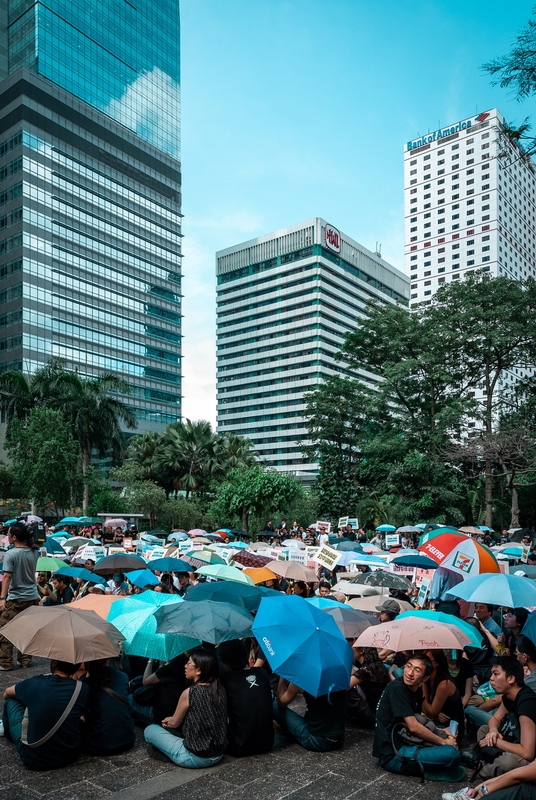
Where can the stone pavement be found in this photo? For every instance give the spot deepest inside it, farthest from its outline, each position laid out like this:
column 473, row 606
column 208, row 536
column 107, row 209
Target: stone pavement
column 144, row 774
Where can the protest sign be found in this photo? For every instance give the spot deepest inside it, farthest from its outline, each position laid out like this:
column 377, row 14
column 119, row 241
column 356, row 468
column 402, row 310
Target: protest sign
column 343, row 522
column 157, row 552
column 127, row 543
column 326, row 525
column 327, row 557
column 423, row 592
column 297, row 555
column 353, row 521
column 392, row 540
column 402, row 569
column 525, row 553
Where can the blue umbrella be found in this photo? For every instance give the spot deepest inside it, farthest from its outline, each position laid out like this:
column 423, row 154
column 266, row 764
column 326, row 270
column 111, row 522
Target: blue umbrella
column 497, row 589
column 135, row 618
column 169, row 565
column 303, row 644
column 529, row 628
column 80, row 572
column 438, row 616
column 238, row 545
column 349, row 555
column 143, row 578
column 517, row 552
column 68, row 521
column 413, row 558
column 386, row 528
column 324, row 602
column 177, row 536
column 53, row 547
column 10, row 521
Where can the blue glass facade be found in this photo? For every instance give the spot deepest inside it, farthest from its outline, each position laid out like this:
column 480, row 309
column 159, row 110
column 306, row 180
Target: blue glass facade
column 90, row 194
column 122, row 59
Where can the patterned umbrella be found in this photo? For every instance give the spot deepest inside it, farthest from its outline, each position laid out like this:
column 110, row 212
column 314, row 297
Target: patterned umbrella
column 460, row 553
column 251, row 559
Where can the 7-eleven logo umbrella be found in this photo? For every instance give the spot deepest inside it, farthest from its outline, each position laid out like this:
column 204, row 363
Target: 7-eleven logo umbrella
column 460, row 554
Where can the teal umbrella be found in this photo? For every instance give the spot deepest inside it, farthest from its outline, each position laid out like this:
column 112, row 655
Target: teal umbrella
column 211, row 621
column 386, row 528
column 134, row 618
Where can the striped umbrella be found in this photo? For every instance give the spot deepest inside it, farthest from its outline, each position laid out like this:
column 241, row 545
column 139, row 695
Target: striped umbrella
column 460, row 554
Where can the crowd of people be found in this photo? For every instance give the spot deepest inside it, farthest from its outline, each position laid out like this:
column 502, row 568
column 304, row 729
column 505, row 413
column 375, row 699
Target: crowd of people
column 426, row 707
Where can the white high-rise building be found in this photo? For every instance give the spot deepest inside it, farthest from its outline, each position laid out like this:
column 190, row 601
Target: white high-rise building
column 284, row 303
column 469, row 204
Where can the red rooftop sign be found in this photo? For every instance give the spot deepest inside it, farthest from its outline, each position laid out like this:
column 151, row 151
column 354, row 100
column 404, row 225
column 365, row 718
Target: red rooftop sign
column 332, row 238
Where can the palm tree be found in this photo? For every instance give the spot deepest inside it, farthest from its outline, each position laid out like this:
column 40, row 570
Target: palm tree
column 96, row 416
column 142, row 450
column 188, row 455
column 19, row 393
column 235, row 451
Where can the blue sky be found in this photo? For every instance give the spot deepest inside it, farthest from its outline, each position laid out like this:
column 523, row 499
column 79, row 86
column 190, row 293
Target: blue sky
column 292, row 110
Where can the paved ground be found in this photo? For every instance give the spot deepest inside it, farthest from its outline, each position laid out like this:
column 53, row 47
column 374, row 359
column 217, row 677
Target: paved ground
column 144, row 774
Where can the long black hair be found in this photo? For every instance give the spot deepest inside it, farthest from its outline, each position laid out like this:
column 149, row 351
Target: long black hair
column 441, row 667
column 207, row 662
column 372, row 668
column 23, row 534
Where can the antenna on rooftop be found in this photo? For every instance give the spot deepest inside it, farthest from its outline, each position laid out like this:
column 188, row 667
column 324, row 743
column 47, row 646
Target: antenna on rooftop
column 379, row 249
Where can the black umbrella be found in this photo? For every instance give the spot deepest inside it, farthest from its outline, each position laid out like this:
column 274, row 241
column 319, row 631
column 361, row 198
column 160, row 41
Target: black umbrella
column 382, row 578
column 518, row 535
column 350, row 621
column 121, row 562
column 211, row 622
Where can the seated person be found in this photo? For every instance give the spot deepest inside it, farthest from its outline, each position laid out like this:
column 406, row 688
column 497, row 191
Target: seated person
column 481, row 657
column 169, row 681
column 442, row 702
column 400, row 703
column 249, row 702
column 526, row 655
column 518, row 784
column 108, row 727
column 61, row 592
column 118, row 584
column 322, row 727
column 520, row 700
column 514, row 620
column 367, row 682
column 46, row 697
column 195, row 736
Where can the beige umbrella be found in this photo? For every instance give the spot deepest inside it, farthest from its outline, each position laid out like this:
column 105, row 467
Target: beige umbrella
column 470, row 529
column 200, row 540
column 292, row 570
column 369, row 603
column 258, row 546
column 100, row 604
column 63, row 632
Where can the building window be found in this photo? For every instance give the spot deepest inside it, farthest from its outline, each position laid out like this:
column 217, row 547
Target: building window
column 455, row 277
column 426, row 216
column 485, row 217
column 485, row 258
column 413, row 181
column 486, row 248
column 413, row 219
column 413, row 172
column 413, row 258
column 413, row 296
column 429, row 263
column 441, row 269
column 471, row 150
column 412, row 163
column 427, row 274
column 427, row 292
column 470, row 263
column 441, row 172
column 440, row 260
column 441, row 280
column 413, row 239
column 412, row 230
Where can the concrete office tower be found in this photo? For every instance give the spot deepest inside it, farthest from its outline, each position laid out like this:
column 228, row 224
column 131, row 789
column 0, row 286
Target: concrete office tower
column 285, row 302
column 90, row 193
column 470, row 203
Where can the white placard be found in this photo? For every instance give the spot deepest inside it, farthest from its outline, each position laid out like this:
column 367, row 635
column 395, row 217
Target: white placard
column 343, row 522
column 157, row 552
column 392, row 540
column 327, row 557
column 297, row 555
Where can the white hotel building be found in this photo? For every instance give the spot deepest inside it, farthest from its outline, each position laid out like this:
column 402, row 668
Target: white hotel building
column 465, row 207
column 284, row 303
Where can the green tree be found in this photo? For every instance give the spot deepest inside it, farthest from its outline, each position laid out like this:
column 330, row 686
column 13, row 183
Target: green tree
column 187, row 456
column 253, row 491
column 45, row 458
column 143, row 496
column 339, row 423
column 20, row 392
column 96, row 415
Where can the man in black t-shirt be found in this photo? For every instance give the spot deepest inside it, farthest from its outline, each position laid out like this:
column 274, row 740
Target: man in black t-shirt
column 46, row 697
column 249, row 702
column 518, row 700
column 400, row 702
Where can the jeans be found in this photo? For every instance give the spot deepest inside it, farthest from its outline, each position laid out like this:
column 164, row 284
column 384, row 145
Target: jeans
column 12, row 719
column 297, row 727
column 142, row 715
column 441, row 757
column 478, row 717
column 175, row 749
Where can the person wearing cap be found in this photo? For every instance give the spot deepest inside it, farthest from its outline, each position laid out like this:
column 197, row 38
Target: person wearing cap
column 118, row 585
column 388, row 611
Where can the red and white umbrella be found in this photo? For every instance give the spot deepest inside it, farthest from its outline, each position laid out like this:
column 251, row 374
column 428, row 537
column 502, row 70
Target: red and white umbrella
column 460, row 554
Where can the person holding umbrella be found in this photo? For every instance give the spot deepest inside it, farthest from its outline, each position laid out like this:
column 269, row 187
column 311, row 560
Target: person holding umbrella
column 18, row 589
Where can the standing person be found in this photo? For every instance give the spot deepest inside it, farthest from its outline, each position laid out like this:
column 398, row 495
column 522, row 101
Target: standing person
column 361, row 536
column 202, row 713
column 443, row 580
column 323, row 537
column 18, row 589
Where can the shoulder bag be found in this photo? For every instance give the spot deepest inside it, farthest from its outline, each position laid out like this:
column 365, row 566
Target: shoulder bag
column 57, row 726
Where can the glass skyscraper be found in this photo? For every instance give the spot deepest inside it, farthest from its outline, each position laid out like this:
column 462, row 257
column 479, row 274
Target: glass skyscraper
column 90, row 193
